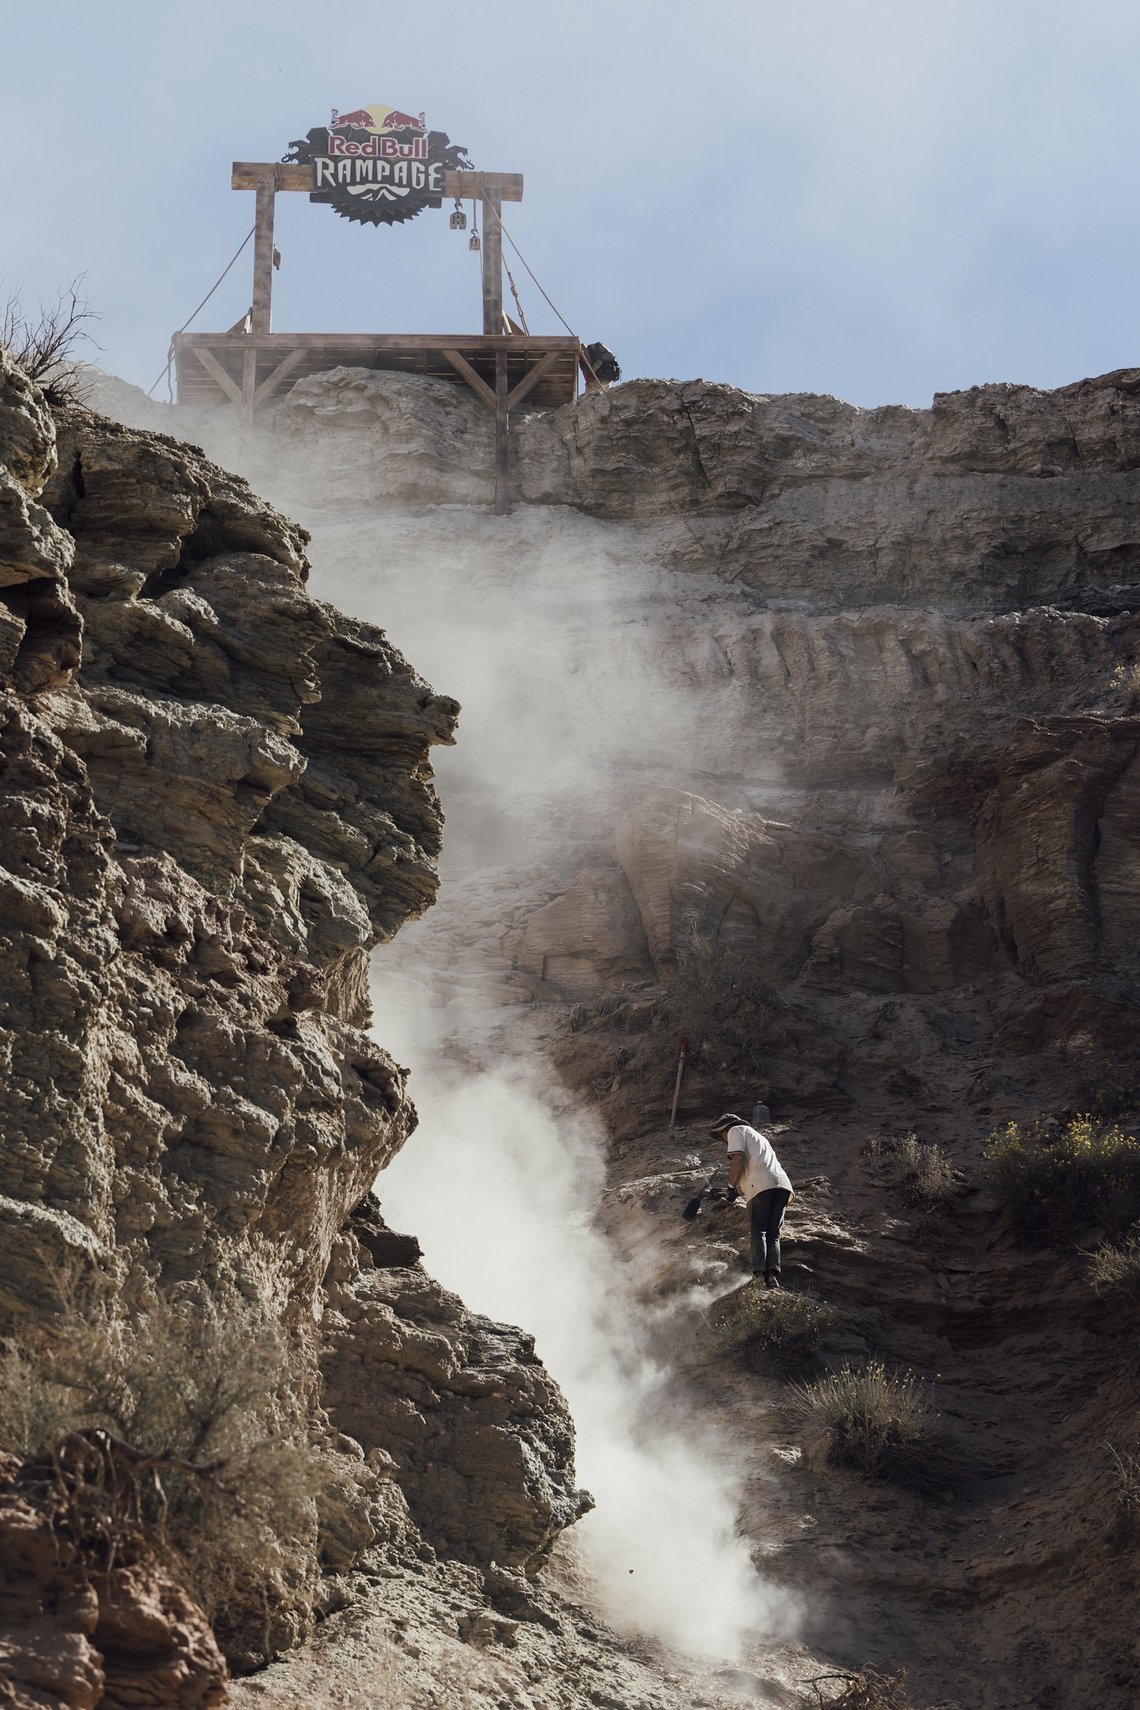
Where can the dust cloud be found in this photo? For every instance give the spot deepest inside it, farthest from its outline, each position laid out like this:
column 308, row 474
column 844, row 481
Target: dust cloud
column 552, row 637
column 502, row 1189
column 570, row 656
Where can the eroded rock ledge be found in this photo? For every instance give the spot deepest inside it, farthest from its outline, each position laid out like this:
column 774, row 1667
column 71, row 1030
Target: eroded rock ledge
column 216, row 798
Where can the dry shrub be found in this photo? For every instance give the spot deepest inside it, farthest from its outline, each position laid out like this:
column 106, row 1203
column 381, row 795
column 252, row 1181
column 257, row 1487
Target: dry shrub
column 864, row 1689
column 882, row 1425
column 923, row 1173
column 1116, row 1270
column 190, row 1421
column 716, row 987
column 776, row 1329
column 1125, row 1470
column 45, row 346
column 1053, row 1178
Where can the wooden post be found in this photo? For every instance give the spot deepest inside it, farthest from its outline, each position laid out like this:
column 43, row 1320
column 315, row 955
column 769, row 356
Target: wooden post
column 492, row 262
column 682, row 1053
column 263, row 254
column 248, row 403
column 502, row 443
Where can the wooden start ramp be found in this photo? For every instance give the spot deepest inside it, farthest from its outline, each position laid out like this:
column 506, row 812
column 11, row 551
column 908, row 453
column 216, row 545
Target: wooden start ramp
column 503, row 365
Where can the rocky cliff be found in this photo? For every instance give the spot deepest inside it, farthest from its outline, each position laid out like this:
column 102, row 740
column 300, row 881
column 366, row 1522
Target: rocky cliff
column 217, row 798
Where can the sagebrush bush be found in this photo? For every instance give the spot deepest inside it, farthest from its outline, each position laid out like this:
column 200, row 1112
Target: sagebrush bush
column 198, row 1408
column 1054, row 1180
column 776, row 1328
column 881, row 1424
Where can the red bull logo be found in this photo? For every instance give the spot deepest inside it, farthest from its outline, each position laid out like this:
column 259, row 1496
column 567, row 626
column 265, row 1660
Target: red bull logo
column 397, row 121
column 377, row 118
column 376, row 164
column 360, row 120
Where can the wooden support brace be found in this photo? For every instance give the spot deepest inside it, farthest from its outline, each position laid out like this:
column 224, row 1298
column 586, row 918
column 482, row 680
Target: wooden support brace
column 272, row 381
column 475, row 381
column 216, row 372
column 529, row 381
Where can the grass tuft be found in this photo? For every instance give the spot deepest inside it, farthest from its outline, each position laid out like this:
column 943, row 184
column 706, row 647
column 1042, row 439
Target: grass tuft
column 776, row 1329
column 881, row 1424
column 1116, row 1269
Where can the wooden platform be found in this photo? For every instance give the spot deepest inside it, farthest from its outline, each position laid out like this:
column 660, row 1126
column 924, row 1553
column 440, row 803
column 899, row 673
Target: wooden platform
column 215, row 367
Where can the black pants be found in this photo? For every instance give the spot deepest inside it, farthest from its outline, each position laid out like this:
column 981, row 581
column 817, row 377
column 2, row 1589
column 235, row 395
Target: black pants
column 766, row 1213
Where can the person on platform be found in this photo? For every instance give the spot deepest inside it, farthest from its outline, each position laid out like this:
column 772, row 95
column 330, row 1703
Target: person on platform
column 755, row 1172
column 600, row 368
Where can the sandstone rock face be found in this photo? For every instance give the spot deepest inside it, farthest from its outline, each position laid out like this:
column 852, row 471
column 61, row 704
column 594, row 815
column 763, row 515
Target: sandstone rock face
column 592, row 933
column 428, row 426
column 216, row 799
column 464, row 1407
column 217, row 816
column 808, row 498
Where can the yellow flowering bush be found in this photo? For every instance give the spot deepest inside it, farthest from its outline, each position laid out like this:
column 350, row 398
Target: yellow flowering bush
column 1054, row 1179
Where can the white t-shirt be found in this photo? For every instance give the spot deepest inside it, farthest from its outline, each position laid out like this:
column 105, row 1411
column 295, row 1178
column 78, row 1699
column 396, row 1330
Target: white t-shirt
column 762, row 1168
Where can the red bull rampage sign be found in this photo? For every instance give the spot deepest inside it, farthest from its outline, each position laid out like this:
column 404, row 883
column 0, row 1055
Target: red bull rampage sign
column 377, row 165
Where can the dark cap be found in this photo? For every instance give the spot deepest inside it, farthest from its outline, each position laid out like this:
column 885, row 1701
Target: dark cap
column 726, row 1121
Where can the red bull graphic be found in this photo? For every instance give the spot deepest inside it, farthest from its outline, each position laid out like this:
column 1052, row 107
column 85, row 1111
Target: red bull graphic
column 377, row 165
column 360, row 120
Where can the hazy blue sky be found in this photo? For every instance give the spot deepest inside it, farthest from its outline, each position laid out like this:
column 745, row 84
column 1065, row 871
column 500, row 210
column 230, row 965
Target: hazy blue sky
column 877, row 198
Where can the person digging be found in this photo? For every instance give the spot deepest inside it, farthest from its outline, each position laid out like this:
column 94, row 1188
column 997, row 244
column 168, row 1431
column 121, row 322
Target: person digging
column 755, row 1172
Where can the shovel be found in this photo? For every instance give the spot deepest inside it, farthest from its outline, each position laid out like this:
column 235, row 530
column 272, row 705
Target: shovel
column 693, row 1206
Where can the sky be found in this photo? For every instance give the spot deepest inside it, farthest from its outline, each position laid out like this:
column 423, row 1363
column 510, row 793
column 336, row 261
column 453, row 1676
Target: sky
column 878, row 199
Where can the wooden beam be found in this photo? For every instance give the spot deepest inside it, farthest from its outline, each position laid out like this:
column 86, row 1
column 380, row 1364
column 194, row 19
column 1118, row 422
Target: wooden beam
column 248, row 174
column 216, row 372
column 507, row 185
column 271, row 383
column 502, row 441
column 475, row 381
column 475, row 343
column 529, row 381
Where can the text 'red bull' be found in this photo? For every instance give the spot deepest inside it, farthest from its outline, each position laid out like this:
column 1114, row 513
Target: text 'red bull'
column 378, row 148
